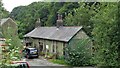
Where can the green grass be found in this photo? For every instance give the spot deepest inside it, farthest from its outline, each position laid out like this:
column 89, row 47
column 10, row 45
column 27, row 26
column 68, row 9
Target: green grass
column 57, row 61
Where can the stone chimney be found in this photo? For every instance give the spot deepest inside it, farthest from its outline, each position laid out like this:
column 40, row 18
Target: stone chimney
column 38, row 23
column 59, row 21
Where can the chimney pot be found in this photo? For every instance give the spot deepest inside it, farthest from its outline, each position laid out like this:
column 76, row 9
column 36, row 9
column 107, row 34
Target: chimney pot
column 59, row 17
column 59, row 21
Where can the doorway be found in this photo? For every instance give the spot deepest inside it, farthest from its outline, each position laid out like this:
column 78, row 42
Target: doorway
column 40, row 46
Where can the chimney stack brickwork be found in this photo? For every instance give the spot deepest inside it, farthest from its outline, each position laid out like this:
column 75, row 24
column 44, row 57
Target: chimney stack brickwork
column 59, row 21
column 38, row 23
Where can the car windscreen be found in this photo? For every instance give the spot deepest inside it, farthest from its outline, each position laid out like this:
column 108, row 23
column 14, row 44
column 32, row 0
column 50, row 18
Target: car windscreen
column 33, row 49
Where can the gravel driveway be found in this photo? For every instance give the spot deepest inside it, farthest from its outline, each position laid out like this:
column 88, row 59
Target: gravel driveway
column 41, row 62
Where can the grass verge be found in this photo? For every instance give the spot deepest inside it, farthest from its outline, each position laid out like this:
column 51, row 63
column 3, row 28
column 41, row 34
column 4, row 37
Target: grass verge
column 57, row 61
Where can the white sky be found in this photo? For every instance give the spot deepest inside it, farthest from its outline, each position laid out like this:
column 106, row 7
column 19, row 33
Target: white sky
column 10, row 4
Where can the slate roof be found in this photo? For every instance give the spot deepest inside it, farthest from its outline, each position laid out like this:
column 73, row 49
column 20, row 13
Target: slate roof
column 2, row 21
column 54, row 33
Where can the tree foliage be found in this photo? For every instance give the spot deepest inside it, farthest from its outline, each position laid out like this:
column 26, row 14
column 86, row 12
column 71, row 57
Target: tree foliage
column 0, row 9
column 47, row 12
column 79, row 53
column 3, row 12
column 105, row 35
column 12, row 52
column 81, row 17
column 103, row 18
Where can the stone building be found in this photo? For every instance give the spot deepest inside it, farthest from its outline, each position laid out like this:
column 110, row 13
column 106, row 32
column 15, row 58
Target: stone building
column 55, row 38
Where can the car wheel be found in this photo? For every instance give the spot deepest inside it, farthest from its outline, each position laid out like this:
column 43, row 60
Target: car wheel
column 37, row 56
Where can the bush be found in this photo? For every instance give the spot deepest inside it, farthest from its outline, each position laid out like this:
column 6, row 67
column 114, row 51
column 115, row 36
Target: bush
column 50, row 56
column 79, row 54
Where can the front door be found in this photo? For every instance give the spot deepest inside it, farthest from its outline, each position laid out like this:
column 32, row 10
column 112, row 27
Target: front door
column 40, row 46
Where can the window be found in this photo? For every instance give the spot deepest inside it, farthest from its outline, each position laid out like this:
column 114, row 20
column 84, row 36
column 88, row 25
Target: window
column 41, row 46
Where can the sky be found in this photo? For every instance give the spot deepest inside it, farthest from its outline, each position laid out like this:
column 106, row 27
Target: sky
column 10, row 4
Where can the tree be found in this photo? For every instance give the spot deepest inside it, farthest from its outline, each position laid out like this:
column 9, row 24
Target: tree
column 81, row 17
column 3, row 12
column 105, row 35
column 0, row 9
column 47, row 12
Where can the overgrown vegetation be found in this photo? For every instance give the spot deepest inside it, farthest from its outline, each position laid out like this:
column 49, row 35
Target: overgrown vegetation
column 13, row 44
column 105, row 35
column 79, row 53
column 12, row 52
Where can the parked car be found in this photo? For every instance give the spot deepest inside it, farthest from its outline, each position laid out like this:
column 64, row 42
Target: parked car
column 30, row 53
column 19, row 64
